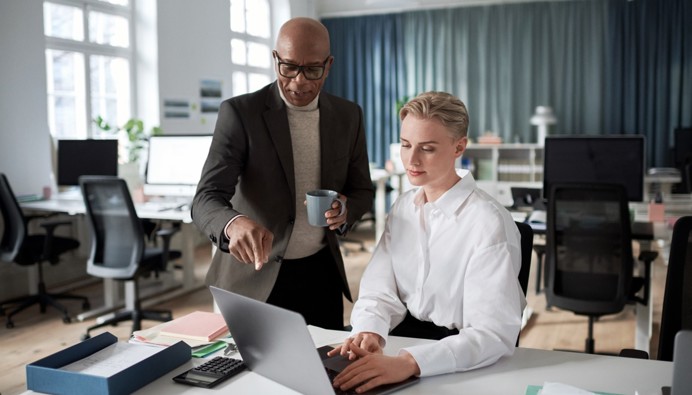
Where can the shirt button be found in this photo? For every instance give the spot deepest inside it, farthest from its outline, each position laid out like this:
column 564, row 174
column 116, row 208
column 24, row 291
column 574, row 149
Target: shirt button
column 291, row 220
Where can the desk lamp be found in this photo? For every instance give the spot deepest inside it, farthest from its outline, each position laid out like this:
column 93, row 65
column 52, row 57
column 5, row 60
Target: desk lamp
column 542, row 118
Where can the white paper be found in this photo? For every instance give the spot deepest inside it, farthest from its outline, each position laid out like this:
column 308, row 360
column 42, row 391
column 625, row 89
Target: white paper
column 562, row 389
column 112, row 359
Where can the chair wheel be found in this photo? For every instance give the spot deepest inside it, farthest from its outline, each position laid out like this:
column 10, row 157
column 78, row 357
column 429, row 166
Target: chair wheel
column 66, row 319
column 85, row 336
column 86, row 306
column 9, row 324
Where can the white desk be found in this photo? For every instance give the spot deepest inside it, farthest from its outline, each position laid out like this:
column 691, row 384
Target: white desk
column 154, row 210
column 510, row 375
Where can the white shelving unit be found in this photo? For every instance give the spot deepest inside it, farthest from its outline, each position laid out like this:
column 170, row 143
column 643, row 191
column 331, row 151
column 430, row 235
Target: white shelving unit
column 505, row 162
column 498, row 167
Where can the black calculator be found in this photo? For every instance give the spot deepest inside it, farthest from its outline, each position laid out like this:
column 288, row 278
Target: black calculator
column 211, row 372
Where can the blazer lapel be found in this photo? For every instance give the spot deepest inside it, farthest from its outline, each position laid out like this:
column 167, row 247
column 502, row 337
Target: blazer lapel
column 276, row 120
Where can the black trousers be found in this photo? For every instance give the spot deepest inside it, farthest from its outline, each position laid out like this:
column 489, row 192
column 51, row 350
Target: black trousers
column 413, row 327
column 311, row 286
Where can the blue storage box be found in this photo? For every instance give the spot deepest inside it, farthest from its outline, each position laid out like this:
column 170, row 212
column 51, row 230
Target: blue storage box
column 46, row 376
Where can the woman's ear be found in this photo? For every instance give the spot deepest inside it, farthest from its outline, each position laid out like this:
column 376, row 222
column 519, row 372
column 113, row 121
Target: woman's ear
column 460, row 146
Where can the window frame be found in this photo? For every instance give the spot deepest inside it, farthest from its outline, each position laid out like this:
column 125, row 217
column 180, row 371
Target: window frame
column 247, row 38
column 87, row 49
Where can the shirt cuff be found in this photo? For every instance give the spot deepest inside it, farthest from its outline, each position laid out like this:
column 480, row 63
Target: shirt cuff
column 225, row 229
column 341, row 230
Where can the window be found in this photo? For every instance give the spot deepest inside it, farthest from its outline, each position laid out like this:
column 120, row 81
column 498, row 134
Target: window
column 250, row 45
column 89, row 59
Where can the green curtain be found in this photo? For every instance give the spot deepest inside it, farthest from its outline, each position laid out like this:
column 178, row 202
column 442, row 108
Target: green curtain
column 604, row 66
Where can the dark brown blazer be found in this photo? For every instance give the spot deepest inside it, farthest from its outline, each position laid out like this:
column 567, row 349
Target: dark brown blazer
column 249, row 171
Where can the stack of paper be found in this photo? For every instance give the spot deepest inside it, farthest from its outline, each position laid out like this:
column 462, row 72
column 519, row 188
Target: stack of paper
column 195, row 329
column 200, row 325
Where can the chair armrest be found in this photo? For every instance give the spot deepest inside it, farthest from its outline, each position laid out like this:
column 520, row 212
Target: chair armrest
column 165, row 234
column 50, row 226
column 633, row 353
column 29, row 218
column 647, row 257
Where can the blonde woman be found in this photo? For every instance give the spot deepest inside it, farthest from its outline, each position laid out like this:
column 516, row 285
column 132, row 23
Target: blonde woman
column 445, row 268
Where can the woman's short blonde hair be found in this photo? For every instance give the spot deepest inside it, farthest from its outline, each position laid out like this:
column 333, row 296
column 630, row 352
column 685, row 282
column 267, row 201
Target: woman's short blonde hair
column 447, row 109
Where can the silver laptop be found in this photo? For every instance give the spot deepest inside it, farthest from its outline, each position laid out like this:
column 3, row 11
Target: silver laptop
column 682, row 363
column 276, row 343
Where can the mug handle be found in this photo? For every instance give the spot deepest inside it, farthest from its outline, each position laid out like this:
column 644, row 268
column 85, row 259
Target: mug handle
column 343, row 205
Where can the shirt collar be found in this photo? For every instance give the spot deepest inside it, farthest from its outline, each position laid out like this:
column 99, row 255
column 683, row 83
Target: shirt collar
column 450, row 201
column 308, row 107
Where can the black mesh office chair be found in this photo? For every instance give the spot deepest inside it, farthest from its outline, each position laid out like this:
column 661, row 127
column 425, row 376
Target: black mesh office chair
column 526, row 246
column 23, row 249
column 118, row 249
column 677, row 299
column 589, row 260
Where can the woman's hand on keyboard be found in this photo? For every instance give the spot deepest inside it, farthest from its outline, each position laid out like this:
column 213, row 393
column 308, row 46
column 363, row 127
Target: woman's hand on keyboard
column 372, row 370
column 370, row 342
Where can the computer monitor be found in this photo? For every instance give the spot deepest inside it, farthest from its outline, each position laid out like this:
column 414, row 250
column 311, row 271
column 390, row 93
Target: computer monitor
column 596, row 159
column 682, row 156
column 682, row 149
column 174, row 164
column 85, row 158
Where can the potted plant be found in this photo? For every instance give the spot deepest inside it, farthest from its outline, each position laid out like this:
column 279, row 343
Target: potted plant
column 133, row 139
column 134, row 135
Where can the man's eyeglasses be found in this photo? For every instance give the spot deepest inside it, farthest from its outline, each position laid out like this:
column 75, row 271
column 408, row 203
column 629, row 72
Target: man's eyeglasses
column 290, row 70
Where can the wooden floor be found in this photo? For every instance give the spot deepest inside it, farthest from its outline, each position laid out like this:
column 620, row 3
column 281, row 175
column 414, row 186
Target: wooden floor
column 38, row 335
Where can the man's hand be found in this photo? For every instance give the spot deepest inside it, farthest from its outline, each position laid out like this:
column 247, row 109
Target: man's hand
column 334, row 220
column 372, row 370
column 249, row 241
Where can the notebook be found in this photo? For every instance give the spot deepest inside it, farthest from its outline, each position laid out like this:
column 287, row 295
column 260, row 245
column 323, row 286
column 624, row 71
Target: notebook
column 199, row 325
column 276, row 343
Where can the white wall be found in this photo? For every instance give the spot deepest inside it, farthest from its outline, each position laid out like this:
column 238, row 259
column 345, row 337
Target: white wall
column 194, row 44
column 25, row 150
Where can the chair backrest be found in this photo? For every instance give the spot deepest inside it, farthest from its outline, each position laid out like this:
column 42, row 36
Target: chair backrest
column 14, row 232
column 526, row 249
column 118, row 244
column 677, row 299
column 588, row 248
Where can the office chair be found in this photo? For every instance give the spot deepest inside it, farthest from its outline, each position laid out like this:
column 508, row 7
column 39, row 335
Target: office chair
column 677, row 299
column 25, row 250
column 118, row 249
column 526, row 247
column 589, row 260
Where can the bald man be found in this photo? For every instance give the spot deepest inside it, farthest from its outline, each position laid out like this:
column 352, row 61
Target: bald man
column 269, row 148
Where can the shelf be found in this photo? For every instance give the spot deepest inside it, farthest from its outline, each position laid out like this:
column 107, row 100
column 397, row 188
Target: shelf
column 504, row 162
